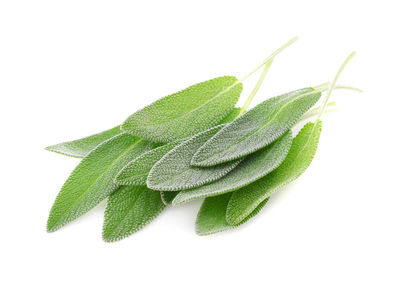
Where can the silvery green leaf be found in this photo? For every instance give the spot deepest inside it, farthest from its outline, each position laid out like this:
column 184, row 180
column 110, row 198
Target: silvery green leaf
column 257, row 128
column 173, row 172
column 129, row 209
column 187, row 112
column 81, row 147
column 303, row 149
column 92, row 180
column 168, row 196
column 252, row 168
column 212, row 215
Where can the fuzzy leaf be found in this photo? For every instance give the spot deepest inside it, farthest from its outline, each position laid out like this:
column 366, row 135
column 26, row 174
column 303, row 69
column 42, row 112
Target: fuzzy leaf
column 212, row 215
column 249, row 170
column 136, row 172
column 303, row 149
column 173, row 172
column 80, row 148
column 187, row 112
column 168, row 196
column 92, row 180
column 257, row 128
column 129, row 209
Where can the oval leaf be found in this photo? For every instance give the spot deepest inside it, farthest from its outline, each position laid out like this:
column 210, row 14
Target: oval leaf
column 257, row 128
column 81, row 147
column 303, row 149
column 253, row 167
column 128, row 210
column 173, row 172
column 92, row 180
column 187, row 112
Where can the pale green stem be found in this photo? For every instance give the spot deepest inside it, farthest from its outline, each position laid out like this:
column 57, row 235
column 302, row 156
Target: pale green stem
column 331, row 107
column 333, row 84
column 271, row 56
column 256, row 88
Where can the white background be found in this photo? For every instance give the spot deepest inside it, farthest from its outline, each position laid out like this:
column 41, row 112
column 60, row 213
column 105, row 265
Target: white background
column 73, row 68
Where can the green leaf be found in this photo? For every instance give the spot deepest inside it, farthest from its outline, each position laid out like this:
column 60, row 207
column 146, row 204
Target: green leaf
column 129, row 209
column 92, row 180
column 168, row 196
column 231, row 116
column 257, row 128
column 187, row 112
column 252, row 168
column 211, row 217
column 173, row 172
column 80, row 148
column 303, row 149
column 136, row 171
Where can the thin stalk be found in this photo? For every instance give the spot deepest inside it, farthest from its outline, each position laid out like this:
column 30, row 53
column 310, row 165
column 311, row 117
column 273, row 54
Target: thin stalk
column 333, row 84
column 331, row 107
column 256, row 88
column 271, row 56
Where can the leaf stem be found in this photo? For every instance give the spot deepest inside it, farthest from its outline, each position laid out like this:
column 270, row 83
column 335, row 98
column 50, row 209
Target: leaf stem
column 256, row 88
column 333, row 84
column 331, row 107
column 270, row 57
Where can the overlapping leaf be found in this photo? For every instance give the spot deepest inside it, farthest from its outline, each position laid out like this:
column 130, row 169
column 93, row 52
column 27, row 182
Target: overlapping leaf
column 303, row 149
column 249, row 170
column 92, row 180
column 129, row 209
column 81, row 147
column 187, row 112
column 212, row 215
column 173, row 172
column 257, row 128
column 168, row 196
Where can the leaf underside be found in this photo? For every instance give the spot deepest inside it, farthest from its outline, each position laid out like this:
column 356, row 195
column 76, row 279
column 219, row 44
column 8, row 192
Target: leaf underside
column 187, row 112
column 253, row 167
column 212, row 215
column 128, row 210
column 173, row 172
column 302, row 152
column 92, row 180
column 257, row 128
column 81, row 147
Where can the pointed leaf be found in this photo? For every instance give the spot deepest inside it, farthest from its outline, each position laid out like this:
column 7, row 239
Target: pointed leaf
column 212, row 215
column 129, row 209
column 173, row 172
column 303, row 149
column 249, row 170
column 92, row 180
column 80, row 148
column 187, row 112
column 168, row 196
column 257, row 128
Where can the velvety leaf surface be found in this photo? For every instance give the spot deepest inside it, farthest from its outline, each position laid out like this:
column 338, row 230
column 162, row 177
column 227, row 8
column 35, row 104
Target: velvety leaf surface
column 187, row 112
column 92, row 180
column 168, row 196
column 173, row 172
column 303, row 149
column 212, row 215
column 80, row 148
column 129, row 209
column 253, row 167
column 257, row 128
column 136, row 172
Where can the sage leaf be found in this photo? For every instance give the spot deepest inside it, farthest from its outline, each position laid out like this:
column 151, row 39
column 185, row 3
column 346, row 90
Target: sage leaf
column 136, row 171
column 173, row 172
column 211, row 217
column 257, row 128
column 92, row 180
column 81, row 147
column 187, row 112
column 246, row 199
column 168, row 196
column 128, row 210
column 252, row 168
